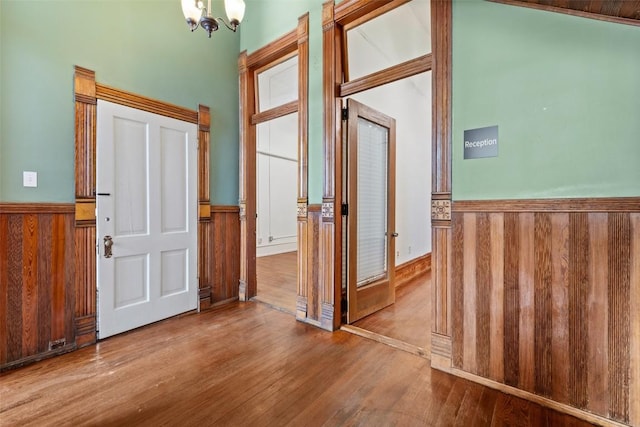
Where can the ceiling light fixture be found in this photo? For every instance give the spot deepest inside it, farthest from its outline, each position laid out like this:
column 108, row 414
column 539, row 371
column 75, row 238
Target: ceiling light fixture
column 197, row 14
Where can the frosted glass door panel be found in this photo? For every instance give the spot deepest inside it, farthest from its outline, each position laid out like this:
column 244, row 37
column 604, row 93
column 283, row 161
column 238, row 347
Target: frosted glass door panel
column 372, row 201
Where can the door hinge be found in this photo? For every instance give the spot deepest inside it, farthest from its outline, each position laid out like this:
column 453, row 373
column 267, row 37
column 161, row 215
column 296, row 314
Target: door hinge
column 344, row 209
column 345, row 114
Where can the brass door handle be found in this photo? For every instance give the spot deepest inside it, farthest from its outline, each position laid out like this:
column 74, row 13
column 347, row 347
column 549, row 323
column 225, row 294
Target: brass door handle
column 108, row 242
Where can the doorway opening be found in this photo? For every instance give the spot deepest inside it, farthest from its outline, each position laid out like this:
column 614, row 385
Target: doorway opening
column 386, row 65
column 273, row 170
column 276, row 187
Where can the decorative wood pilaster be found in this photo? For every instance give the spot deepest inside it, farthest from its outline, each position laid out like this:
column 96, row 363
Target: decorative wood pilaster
column 441, row 15
column 304, row 260
column 85, row 220
column 247, row 187
column 330, row 235
column 205, row 247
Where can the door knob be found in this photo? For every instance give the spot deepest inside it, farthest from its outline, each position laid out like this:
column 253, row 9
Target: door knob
column 394, row 235
column 108, row 242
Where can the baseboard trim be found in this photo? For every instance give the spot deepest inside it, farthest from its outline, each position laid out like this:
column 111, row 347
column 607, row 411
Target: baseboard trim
column 540, row 400
column 411, row 269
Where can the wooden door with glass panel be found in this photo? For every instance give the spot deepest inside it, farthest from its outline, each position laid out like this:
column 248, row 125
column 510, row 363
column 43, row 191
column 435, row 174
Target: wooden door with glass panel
column 371, row 210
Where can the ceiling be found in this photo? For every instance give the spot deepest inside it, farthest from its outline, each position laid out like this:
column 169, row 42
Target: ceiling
column 625, row 9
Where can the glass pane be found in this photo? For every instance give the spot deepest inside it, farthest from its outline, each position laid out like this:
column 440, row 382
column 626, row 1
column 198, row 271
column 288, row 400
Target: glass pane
column 278, row 85
column 373, row 143
column 399, row 35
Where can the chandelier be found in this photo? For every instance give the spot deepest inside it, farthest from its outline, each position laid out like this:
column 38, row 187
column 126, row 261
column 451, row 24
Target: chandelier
column 197, row 14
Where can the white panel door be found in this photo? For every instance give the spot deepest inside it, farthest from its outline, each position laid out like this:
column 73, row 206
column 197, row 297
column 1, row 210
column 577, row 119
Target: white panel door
column 146, row 217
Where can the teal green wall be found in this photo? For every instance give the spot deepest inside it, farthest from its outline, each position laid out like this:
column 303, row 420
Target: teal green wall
column 139, row 46
column 264, row 22
column 565, row 93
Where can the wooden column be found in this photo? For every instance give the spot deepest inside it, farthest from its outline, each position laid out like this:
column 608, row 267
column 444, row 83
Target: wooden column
column 441, row 184
column 304, row 259
column 85, row 220
column 247, row 199
column 205, row 249
column 330, row 230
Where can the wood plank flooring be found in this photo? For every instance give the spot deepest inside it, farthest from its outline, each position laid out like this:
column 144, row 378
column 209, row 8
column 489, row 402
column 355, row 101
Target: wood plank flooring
column 409, row 318
column 277, row 276
column 248, row 364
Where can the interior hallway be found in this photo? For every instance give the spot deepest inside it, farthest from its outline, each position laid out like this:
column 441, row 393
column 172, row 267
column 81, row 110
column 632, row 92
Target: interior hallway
column 248, row 364
column 277, row 278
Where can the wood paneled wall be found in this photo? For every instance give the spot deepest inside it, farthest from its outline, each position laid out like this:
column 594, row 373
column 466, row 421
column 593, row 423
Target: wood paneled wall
column 546, row 298
column 309, row 299
column 224, row 268
column 37, row 293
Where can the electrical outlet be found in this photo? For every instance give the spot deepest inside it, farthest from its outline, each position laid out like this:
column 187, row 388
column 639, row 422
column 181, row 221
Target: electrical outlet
column 29, row 179
column 397, row 254
column 409, row 250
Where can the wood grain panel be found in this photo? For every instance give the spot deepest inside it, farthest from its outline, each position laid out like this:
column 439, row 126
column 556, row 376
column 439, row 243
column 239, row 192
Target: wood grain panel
column 567, row 298
column 302, row 286
column 634, row 310
column 527, row 302
column 597, row 314
column 511, row 299
column 457, row 295
column 483, row 293
column 619, row 293
column 496, row 300
column 14, row 288
column 85, row 285
column 560, row 307
column 69, row 268
column 314, row 307
column 36, row 277
column 47, row 315
column 469, row 294
column 205, row 260
column 29, row 284
column 578, row 289
column 225, row 243
column 441, row 22
column 542, row 304
column 441, row 279
column 4, row 288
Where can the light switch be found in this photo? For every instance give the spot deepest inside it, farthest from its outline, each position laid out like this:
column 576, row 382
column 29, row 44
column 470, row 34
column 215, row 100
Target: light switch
column 29, row 179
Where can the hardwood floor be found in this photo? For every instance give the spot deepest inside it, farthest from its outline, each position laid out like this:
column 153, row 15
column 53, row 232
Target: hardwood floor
column 277, row 275
column 407, row 320
column 248, row 364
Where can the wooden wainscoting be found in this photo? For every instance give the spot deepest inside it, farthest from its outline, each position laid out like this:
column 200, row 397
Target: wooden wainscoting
column 222, row 264
column 309, row 299
column 546, row 299
column 37, row 293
